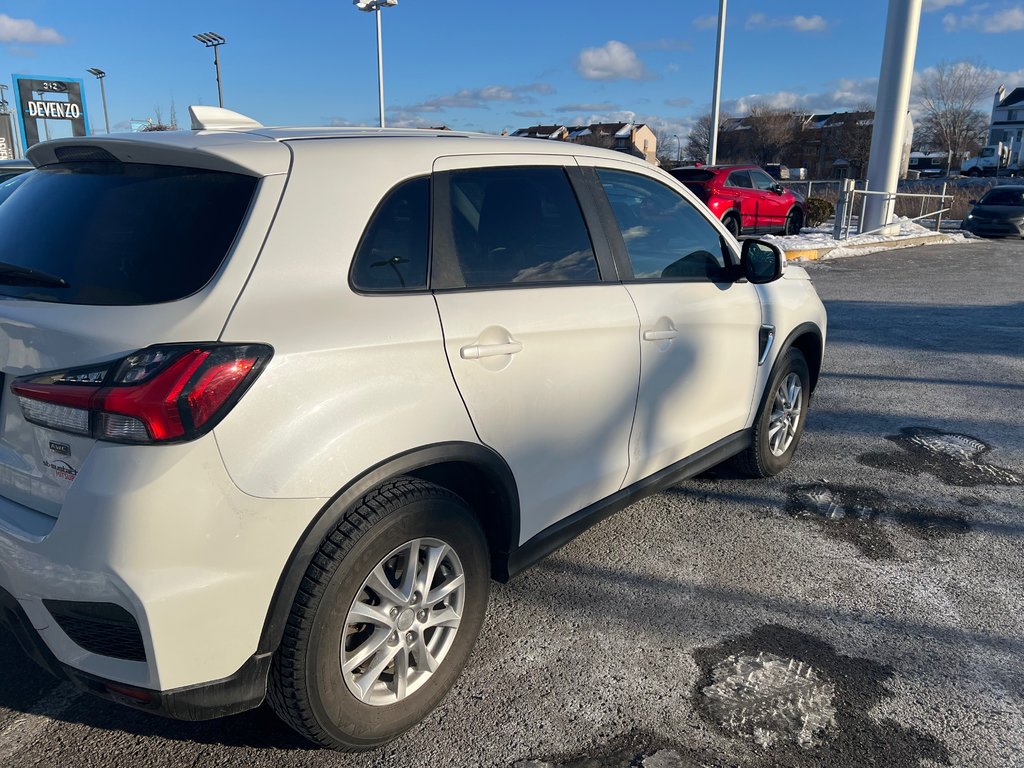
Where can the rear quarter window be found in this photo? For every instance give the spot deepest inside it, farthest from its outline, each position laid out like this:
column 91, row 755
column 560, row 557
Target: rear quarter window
column 119, row 233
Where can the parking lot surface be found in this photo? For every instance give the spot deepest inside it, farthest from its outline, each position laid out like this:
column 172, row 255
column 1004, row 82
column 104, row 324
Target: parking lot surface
column 864, row 608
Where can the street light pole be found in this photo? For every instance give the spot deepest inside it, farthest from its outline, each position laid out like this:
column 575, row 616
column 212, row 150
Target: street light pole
column 99, row 74
column 215, row 41
column 676, row 137
column 716, row 97
column 375, row 7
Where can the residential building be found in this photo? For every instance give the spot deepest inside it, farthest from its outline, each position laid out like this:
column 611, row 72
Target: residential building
column 636, row 139
column 1007, row 117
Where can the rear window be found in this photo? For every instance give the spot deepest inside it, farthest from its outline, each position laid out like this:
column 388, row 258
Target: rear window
column 118, row 233
column 692, row 174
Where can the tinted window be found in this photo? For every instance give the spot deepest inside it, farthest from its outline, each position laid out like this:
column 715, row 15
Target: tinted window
column 692, row 174
column 120, row 233
column 392, row 255
column 518, row 225
column 762, row 180
column 740, row 179
column 998, row 196
column 665, row 236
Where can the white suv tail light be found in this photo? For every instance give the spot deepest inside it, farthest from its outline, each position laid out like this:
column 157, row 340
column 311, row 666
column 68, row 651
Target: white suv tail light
column 162, row 394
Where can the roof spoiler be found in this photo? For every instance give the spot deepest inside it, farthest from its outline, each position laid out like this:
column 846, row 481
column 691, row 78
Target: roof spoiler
column 219, row 119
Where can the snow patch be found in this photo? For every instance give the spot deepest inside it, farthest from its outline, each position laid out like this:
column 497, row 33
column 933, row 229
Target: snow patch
column 820, row 239
column 768, row 699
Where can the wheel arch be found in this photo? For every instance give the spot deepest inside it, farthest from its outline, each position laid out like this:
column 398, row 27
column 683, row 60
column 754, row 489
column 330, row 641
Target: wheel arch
column 473, row 471
column 807, row 338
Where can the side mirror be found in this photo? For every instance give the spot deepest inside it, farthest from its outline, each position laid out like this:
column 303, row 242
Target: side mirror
column 778, row 189
column 761, row 262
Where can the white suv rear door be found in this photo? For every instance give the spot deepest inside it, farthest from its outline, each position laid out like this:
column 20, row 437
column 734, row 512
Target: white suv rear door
column 540, row 336
column 698, row 327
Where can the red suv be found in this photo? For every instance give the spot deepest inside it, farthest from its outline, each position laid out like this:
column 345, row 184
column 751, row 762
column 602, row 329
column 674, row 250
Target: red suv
column 746, row 198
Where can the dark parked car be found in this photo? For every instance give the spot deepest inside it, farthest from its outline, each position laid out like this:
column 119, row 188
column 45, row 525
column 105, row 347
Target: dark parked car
column 11, row 168
column 999, row 213
column 745, row 198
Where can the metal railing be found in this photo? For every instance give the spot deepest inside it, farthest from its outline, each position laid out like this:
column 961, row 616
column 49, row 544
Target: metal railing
column 843, row 227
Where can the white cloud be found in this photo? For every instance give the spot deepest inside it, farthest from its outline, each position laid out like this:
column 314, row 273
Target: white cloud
column 587, row 107
column 1007, row 19
column 612, row 61
column 682, row 101
column 27, row 32
column 938, row 5
column 479, row 98
column 796, row 23
column 843, row 95
column 705, row 22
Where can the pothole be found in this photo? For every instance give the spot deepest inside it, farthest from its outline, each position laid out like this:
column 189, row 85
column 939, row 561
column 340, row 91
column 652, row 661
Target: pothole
column 863, row 516
column 954, row 458
column 800, row 704
column 768, row 698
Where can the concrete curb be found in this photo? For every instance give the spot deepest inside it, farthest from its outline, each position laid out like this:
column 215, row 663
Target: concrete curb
column 881, row 245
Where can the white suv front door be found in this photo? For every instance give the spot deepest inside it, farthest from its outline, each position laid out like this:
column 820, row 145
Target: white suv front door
column 698, row 327
column 543, row 351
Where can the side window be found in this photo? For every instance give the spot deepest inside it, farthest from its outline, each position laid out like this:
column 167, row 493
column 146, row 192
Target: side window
column 739, row 179
column 519, row 225
column 666, row 237
column 762, row 180
column 392, row 256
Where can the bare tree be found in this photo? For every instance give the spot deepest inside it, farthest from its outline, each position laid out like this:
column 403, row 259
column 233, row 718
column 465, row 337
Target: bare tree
column 772, row 132
column 668, row 146
column 948, row 96
column 698, row 142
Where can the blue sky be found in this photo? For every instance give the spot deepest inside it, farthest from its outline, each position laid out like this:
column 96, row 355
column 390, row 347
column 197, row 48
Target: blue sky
column 487, row 65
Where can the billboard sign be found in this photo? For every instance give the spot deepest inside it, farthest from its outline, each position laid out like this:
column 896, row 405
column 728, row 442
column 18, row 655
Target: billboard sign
column 41, row 99
column 6, row 137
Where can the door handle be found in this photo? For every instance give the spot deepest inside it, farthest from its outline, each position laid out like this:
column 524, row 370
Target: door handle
column 476, row 351
column 671, row 333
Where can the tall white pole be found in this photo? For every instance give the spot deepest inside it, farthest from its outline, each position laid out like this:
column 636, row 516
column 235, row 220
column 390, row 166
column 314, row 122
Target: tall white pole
column 716, row 97
column 887, row 135
column 380, row 67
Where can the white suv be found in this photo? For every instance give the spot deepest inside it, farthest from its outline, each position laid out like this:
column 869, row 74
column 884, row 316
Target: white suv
column 278, row 403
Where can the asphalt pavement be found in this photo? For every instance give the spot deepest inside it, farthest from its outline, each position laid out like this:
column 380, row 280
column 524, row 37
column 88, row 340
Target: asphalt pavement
column 864, row 608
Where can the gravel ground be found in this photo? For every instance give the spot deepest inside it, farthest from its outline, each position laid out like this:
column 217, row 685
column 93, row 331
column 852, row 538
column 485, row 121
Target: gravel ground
column 862, row 609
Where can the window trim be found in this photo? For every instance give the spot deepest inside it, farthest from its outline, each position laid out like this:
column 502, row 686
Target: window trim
column 614, row 235
column 445, row 274
column 369, row 224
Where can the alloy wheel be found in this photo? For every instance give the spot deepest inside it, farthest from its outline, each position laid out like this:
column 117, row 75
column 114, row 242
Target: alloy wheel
column 787, row 409
column 403, row 621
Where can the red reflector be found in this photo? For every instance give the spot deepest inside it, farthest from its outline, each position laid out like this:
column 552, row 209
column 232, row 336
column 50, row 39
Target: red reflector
column 136, row 694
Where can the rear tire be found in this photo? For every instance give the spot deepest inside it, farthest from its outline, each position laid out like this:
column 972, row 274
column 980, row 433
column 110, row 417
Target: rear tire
column 732, row 223
column 362, row 661
column 780, row 422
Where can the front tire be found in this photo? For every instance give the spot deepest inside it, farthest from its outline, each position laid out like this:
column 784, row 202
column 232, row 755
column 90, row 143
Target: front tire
column 780, row 422
column 385, row 618
column 794, row 222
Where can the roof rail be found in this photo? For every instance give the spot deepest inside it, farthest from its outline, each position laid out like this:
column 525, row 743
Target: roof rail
column 218, row 118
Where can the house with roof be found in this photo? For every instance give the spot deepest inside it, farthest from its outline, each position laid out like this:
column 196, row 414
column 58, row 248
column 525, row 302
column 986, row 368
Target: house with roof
column 636, row 139
column 1007, row 117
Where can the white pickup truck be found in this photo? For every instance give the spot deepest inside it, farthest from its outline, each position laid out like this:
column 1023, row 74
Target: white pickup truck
column 996, row 160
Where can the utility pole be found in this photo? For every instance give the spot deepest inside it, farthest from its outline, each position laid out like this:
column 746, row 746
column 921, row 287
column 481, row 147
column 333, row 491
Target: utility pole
column 887, row 133
column 375, row 7
column 716, row 97
column 215, row 41
column 99, row 74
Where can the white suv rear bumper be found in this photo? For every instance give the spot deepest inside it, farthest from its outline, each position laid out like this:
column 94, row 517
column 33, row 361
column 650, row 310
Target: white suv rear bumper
column 162, row 532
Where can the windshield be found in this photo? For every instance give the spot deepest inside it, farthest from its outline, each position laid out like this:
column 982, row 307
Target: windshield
column 119, row 233
column 999, row 196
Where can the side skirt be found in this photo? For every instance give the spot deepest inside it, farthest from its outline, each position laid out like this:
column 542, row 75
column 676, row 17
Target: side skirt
column 555, row 536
